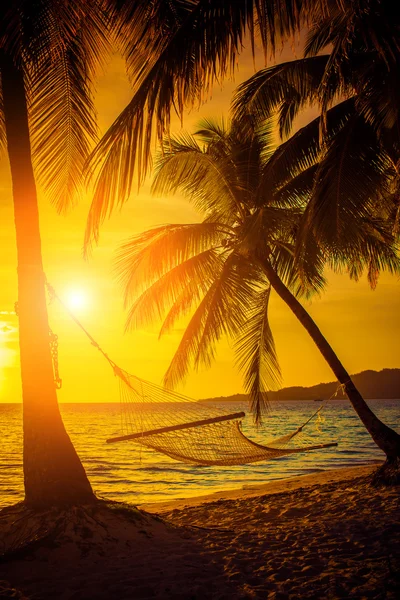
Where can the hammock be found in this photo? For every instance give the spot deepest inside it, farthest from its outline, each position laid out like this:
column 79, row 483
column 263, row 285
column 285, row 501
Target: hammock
column 191, row 431
column 188, row 430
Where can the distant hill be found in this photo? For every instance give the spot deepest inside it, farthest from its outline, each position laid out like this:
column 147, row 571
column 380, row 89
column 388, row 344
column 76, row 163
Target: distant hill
column 381, row 385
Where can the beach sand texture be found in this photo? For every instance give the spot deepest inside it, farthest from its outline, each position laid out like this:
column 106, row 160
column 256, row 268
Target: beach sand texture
column 327, row 535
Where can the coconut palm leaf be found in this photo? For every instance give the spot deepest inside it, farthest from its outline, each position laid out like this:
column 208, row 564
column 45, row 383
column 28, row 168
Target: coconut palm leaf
column 375, row 251
column 306, row 281
column 378, row 102
column 252, row 145
column 381, row 256
column 63, row 45
column 197, row 273
column 229, row 305
column 211, row 131
column 295, row 193
column 300, row 152
column 208, row 180
column 355, row 28
column 183, row 306
column 363, row 57
column 263, row 226
column 24, row 30
column 324, row 32
column 143, row 28
column 200, row 49
column 192, row 345
column 222, row 311
column 256, row 354
column 353, row 168
column 149, row 255
column 290, row 85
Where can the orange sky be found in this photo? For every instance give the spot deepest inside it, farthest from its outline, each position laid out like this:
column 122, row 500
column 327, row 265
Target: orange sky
column 363, row 326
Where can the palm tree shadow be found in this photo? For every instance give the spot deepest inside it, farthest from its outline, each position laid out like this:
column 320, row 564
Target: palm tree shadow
column 110, row 550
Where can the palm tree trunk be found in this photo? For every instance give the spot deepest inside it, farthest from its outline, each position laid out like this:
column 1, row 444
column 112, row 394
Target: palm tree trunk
column 384, row 437
column 53, row 473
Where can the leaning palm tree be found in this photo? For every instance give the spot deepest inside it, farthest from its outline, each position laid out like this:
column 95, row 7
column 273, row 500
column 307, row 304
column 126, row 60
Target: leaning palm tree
column 221, row 271
column 48, row 54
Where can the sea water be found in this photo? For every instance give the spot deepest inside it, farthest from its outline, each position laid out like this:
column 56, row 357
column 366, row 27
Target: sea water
column 130, row 473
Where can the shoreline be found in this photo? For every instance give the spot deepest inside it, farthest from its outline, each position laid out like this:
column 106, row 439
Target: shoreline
column 276, row 486
column 322, row 535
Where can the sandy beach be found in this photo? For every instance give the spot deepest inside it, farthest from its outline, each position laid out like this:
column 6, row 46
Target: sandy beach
column 326, row 535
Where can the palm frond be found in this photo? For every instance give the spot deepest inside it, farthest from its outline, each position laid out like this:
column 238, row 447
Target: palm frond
column 374, row 251
column 288, row 110
column 209, row 180
column 23, row 29
column 189, row 345
column 350, row 176
column 378, row 101
column 301, row 268
column 211, row 131
column 291, row 84
column 195, row 273
column 62, row 112
column 324, row 32
column 383, row 255
column 263, row 227
column 295, row 193
column 200, row 49
column 301, row 151
column 361, row 41
column 143, row 28
column 256, row 354
column 183, row 305
column 222, row 311
column 228, row 309
column 251, row 145
column 148, row 256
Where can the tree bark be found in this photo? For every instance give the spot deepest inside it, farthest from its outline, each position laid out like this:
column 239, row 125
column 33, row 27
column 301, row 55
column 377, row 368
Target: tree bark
column 384, row 437
column 53, row 473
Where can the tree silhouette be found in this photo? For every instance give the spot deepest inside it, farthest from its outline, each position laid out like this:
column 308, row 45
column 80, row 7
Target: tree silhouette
column 49, row 52
column 355, row 86
column 221, row 271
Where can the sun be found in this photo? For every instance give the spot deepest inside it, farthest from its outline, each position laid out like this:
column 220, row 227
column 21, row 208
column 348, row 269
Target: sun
column 77, row 299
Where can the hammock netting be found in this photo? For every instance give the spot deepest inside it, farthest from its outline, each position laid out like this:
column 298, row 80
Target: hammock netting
column 194, row 432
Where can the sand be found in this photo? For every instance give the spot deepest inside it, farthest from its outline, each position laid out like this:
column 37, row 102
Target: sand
column 324, row 536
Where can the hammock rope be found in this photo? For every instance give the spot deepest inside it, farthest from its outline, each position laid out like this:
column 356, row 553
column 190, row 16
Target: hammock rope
column 189, row 430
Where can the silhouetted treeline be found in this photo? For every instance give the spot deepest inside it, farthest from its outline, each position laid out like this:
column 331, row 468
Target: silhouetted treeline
column 381, row 385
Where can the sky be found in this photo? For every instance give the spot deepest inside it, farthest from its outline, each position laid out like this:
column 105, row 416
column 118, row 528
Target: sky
column 362, row 325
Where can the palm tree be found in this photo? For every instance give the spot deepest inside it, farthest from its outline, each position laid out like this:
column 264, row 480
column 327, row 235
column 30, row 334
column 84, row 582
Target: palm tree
column 357, row 142
column 223, row 269
column 359, row 79
column 175, row 52
column 49, row 51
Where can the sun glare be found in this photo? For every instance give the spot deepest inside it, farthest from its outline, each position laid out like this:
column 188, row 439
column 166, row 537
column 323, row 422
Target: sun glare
column 77, row 299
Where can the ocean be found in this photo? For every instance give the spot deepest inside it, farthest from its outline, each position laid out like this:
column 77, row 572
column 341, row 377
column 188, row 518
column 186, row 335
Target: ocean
column 130, row 473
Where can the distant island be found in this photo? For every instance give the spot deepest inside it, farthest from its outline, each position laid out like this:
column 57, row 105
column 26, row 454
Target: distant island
column 382, row 385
